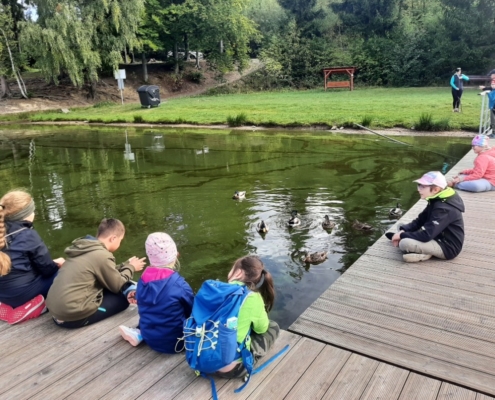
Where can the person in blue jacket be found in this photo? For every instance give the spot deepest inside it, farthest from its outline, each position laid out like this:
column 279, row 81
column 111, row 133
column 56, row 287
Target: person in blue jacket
column 163, row 297
column 26, row 268
column 457, row 88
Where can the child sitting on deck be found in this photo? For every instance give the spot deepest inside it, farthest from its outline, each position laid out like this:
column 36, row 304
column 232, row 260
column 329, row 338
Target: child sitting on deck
column 89, row 287
column 439, row 229
column 26, row 268
column 163, row 297
column 481, row 178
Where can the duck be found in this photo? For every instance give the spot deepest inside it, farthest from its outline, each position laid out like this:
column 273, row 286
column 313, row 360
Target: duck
column 239, row 195
column 361, row 226
column 262, row 227
column 396, row 212
column 327, row 224
column 316, row 258
column 294, row 221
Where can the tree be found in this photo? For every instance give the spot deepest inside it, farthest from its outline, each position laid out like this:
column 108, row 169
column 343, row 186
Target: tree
column 80, row 37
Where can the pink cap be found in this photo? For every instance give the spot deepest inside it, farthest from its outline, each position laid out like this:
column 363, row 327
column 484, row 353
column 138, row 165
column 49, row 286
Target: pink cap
column 161, row 249
column 433, row 178
column 480, row 140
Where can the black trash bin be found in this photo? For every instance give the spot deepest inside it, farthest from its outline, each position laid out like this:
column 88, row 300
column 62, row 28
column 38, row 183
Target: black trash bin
column 149, row 95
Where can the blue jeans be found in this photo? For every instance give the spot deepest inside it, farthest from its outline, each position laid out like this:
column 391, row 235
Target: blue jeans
column 479, row 185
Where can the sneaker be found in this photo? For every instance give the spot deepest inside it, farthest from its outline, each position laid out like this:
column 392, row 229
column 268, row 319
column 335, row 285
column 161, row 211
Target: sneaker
column 5, row 312
column 415, row 257
column 32, row 309
column 132, row 335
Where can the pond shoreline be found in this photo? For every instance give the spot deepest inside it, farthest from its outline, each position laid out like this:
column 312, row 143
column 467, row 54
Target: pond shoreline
column 252, row 128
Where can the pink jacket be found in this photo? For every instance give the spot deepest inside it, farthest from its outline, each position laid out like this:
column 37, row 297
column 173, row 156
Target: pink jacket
column 484, row 167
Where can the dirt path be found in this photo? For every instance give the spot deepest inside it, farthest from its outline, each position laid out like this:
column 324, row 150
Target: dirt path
column 50, row 97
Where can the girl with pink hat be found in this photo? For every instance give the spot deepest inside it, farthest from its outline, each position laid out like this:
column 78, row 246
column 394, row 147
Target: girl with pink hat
column 163, row 297
column 481, row 178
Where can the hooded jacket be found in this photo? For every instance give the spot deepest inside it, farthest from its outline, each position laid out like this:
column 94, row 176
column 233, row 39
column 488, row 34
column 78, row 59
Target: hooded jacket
column 77, row 291
column 164, row 301
column 31, row 261
column 441, row 221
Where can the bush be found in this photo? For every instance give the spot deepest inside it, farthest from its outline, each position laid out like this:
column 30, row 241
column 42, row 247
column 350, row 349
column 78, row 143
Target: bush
column 426, row 123
column 238, row 120
column 366, row 120
column 138, row 119
column 196, row 77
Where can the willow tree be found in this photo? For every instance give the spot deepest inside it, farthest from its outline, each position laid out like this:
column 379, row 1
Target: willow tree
column 80, row 37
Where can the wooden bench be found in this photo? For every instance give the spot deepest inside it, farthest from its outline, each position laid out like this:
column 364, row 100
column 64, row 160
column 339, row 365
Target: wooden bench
column 339, row 84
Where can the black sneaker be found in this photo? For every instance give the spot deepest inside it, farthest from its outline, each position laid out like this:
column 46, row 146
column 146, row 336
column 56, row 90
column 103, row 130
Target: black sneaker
column 389, row 235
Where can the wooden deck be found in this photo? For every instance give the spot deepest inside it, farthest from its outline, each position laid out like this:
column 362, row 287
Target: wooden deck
column 42, row 361
column 434, row 318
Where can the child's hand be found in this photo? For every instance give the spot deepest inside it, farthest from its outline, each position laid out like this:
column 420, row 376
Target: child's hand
column 131, row 297
column 59, row 261
column 137, row 263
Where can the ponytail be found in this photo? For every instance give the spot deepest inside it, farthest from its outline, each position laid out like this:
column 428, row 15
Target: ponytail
column 257, row 279
column 5, row 262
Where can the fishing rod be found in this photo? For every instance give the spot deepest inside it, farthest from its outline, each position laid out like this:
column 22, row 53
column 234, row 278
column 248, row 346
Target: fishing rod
column 407, row 144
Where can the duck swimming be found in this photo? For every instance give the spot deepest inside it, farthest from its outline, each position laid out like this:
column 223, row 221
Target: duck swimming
column 395, row 212
column 294, row 221
column 327, row 224
column 262, row 227
column 361, row 226
column 239, row 195
column 316, row 258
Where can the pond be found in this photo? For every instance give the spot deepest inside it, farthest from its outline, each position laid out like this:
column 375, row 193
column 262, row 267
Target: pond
column 182, row 182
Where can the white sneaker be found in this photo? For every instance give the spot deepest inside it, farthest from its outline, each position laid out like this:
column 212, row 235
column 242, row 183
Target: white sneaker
column 132, row 335
column 415, row 257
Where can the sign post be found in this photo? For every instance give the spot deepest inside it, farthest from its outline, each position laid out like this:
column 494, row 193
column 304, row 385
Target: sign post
column 120, row 76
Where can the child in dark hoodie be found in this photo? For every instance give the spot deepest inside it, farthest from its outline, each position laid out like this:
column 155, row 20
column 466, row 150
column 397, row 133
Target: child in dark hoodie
column 438, row 231
column 91, row 288
column 163, row 297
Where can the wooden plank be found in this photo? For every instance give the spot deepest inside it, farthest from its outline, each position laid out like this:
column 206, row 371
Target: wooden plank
column 485, row 301
column 171, row 384
column 280, row 381
column 227, row 391
column 351, row 381
column 445, row 318
column 480, row 396
column 420, row 387
column 403, row 357
column 431, row 342
column 143, row 376
column 38, row 355
column 320, row 375
column 61, row 388
column 453, row 392
column 386, row 383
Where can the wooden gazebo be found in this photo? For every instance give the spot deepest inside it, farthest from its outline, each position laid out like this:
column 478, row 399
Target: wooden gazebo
column 339, row 84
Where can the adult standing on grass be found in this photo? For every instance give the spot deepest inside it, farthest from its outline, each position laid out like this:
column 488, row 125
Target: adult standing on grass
column 457, row 88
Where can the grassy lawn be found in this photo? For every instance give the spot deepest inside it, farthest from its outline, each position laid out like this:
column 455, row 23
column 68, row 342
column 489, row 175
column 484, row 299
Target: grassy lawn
column 385, row 108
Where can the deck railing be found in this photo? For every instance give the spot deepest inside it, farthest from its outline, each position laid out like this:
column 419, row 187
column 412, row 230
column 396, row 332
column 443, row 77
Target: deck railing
column 484, row 116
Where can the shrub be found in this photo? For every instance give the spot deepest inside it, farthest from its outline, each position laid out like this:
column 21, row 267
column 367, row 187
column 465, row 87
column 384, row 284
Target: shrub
column 238, row 120
column 366, row 120
column 426, row 123
column 196, row 77
column 138, row 119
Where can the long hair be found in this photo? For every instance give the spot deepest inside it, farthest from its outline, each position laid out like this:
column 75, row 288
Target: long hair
column 11, row 203
column 257, row 279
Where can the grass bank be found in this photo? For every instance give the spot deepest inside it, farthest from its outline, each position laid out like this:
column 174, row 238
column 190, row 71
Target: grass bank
column 379, row 108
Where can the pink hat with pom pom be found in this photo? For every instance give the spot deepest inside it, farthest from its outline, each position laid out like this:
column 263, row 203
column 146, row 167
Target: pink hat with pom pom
column 161, row 249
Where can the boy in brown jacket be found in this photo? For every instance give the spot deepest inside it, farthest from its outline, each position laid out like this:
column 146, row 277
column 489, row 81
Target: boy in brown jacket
column 90, row 288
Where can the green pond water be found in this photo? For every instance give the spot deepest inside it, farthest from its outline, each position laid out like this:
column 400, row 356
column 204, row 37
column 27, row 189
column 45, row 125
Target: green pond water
column 182, row 182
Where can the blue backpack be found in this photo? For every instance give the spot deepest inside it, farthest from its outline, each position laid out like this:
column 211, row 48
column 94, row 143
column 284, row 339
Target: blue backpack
column 210, row 333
